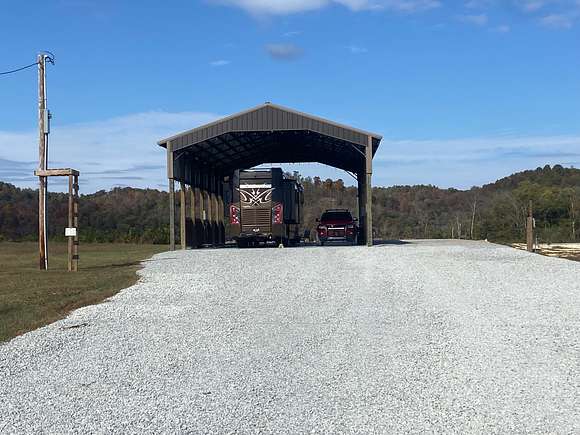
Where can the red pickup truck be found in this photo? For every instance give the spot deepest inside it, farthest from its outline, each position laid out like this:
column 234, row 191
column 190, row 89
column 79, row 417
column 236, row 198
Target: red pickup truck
column 337, row 225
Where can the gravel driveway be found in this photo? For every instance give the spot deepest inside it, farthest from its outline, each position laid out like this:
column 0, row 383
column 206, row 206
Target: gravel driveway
column 421, row 337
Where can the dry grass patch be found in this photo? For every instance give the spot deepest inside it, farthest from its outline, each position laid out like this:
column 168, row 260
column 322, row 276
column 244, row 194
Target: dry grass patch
column 30, row 298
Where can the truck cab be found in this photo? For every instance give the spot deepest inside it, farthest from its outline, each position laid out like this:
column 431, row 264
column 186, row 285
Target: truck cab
column 266, row 207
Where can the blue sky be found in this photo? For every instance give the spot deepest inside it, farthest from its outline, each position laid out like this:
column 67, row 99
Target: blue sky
column 463, row 92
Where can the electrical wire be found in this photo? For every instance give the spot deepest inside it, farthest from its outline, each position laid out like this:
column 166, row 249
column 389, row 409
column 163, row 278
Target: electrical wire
column 18, row 69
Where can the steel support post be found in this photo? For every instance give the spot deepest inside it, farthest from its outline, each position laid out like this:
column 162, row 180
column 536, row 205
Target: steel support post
column 171, row 196
column 369, row 192
column 361, row 179
column 182, row 215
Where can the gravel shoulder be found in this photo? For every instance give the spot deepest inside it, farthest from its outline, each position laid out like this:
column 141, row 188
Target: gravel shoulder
column 427, row 336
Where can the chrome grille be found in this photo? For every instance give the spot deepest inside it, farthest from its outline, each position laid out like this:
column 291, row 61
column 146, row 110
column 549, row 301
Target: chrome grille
column 255, row 217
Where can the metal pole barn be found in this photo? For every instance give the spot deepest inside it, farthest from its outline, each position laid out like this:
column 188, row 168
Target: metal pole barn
column 267, row 133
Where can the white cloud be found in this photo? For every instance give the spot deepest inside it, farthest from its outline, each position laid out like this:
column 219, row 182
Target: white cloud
column 220, row 62
column 463, row 163
column 558, row 21
column 502, row 29
column 111, row 152
column 124, row 151
column 532, row 5
column 283, row 7
column 477, row 20
column 557, row 14
column 478, row 4
column 355, row 49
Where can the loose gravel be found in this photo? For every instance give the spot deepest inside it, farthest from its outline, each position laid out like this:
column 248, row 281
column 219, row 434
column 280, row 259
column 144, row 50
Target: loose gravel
column 451, row 337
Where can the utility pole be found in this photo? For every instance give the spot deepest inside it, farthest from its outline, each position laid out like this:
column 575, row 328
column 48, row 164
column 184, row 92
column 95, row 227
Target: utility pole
column 42, row 165
column 43, row 173
column 530, row 228
column 43, row 131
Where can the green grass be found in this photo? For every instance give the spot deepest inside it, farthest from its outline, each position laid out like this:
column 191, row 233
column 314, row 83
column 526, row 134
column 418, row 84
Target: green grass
column 30, row 298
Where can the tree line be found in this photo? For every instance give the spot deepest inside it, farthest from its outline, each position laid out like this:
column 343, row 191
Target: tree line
column 496, row 211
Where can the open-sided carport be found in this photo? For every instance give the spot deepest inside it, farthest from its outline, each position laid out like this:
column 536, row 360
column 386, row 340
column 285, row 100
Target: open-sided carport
column 201, row 158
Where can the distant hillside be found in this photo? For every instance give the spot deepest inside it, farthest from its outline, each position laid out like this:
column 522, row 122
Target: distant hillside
column 495, row 211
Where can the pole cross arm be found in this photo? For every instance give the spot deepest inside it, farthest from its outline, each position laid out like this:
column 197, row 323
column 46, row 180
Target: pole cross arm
column 56, row 172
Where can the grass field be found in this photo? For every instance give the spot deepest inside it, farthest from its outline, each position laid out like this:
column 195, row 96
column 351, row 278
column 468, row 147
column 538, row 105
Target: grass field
column 30, row 298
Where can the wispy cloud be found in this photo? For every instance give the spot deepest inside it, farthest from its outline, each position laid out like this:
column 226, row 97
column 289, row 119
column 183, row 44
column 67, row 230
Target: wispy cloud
column 477, row 20
column 106, row 152
column 356, row 49
column 501, row 29
column 220, row 62
column 284, row 51
column 556, row 14
column 532, row 5
column 123, row 150
column 558, row 21
column 284, row 7
column 462, row 163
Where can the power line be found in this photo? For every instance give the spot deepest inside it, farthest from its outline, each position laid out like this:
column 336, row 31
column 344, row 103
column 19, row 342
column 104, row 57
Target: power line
column 18, row 69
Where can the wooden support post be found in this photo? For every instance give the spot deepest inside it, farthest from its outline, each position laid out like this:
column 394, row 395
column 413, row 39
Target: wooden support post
column 199, row 226
column 75, row 222
column 214, row 217
column 192, row 203
column 530, row 228
column 192, row 214
column 221, row 214
column 70, row 222
column 369, row 191
column 208, row 217
column 202, row 213
column 182, row 210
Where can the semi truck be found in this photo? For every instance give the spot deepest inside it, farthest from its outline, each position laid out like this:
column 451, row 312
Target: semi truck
column 266, row 207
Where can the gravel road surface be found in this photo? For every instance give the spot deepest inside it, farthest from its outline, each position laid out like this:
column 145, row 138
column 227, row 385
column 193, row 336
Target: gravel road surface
column 451, row 337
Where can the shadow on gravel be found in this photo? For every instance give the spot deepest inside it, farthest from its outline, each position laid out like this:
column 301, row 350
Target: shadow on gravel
column 153, row 260
column 390, row 242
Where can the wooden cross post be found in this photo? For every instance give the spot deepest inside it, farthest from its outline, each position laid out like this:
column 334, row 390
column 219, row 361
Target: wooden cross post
column 71, row 232
column 530, row 229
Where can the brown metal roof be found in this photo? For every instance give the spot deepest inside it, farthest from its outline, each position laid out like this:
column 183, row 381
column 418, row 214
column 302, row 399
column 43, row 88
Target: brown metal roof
column 272, row 134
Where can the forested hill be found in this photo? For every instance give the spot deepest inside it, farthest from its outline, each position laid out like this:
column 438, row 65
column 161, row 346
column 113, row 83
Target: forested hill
column 495, row 211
